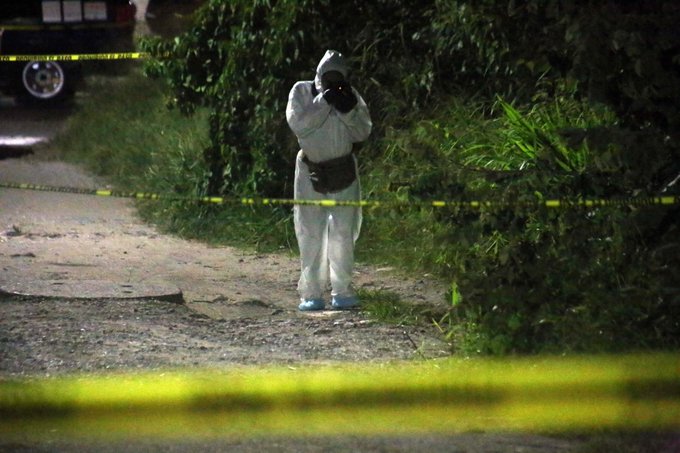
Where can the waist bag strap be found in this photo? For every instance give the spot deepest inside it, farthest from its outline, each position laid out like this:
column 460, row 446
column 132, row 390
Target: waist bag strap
column 333, row 175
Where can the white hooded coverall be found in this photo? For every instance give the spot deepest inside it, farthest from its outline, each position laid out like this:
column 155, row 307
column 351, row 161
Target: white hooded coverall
column 325, row 235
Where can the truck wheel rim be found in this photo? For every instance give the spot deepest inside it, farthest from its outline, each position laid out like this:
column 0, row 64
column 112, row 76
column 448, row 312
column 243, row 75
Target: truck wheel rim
column 43, row 79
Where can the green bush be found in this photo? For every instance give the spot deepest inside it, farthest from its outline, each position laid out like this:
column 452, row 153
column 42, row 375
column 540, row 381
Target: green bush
column 473, row 100
column 123, row 130
column 531, row 278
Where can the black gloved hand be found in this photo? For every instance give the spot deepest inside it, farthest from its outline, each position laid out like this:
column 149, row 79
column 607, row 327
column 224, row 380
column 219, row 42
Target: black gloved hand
column 341, row 97
column 331, row 95
column 346, row 100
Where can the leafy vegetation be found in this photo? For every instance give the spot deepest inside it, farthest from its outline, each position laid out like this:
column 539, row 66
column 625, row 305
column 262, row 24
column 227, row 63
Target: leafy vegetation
column 140, row 145
column 514, row 102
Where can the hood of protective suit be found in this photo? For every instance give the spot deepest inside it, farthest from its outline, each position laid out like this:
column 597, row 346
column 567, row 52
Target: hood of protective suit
column 331, row 61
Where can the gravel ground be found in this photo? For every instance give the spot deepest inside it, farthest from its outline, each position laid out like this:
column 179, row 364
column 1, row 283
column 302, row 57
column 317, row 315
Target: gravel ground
column 58, row 336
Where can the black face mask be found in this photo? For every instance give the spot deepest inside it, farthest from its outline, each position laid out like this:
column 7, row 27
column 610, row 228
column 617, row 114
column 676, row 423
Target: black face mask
column 331, row 79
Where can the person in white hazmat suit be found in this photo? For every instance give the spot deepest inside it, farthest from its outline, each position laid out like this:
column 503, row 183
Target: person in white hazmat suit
column 327, row 116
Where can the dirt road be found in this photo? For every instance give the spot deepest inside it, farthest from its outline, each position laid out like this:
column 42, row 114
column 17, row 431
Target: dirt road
column 80, row 246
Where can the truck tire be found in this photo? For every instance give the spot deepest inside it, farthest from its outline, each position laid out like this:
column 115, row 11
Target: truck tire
column 44, row 81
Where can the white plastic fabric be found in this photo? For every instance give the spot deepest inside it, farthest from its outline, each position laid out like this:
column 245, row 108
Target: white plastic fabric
column 325, row 235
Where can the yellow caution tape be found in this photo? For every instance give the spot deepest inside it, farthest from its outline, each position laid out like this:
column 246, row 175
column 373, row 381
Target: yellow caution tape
column 589, row 203
column 64, row 26
column 631, row 392
column 77, row 57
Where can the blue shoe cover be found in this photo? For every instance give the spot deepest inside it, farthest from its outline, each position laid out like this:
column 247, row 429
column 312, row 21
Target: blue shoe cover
column 312, row 305
column 345, row 303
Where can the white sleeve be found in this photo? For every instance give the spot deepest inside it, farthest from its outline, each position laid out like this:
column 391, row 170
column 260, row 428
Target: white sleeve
column 358, row 120
column 305, row 113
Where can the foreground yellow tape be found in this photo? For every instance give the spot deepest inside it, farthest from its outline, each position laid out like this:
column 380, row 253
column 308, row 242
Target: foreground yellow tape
column 77, row 57
column 635, row 392
column 592, row 203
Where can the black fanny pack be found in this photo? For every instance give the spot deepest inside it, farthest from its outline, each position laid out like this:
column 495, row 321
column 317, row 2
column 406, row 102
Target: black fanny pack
column 332, row 175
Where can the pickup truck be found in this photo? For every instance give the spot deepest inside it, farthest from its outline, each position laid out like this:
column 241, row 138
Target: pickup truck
column 56, row 27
